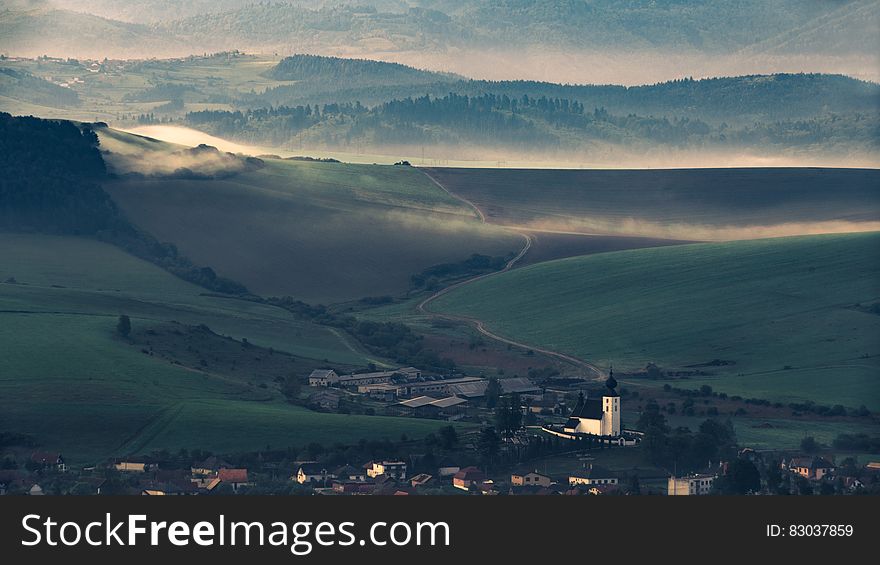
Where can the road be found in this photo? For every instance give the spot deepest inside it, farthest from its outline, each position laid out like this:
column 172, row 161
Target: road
column 592, row 371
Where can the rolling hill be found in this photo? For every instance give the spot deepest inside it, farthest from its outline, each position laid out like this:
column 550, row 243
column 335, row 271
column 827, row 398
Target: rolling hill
column 783, row 319
column 317, row 231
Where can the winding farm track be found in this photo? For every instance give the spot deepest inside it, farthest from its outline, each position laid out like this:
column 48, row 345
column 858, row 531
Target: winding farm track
column 592, row 370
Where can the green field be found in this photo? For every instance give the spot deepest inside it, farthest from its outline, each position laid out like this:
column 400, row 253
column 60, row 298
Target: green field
column 783, row 311
column 67, row 379
column 320, row 232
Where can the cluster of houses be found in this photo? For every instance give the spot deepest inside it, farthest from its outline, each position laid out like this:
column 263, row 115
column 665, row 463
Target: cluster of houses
column 146, row 477
column 390, row 477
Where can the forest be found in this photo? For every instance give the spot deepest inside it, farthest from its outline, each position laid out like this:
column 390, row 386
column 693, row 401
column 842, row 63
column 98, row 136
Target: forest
column 540, row 123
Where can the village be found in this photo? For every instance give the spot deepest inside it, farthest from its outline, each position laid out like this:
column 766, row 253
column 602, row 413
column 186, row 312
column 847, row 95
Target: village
column 543, row 442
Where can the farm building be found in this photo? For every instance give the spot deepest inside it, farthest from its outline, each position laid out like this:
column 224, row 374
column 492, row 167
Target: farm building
column 427, row 407
column 323, row 377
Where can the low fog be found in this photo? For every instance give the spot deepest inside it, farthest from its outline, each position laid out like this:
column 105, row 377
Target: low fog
column 605, row 156
column 191, row 160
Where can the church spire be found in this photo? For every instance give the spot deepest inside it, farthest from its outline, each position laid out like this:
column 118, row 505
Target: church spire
column 611, row 383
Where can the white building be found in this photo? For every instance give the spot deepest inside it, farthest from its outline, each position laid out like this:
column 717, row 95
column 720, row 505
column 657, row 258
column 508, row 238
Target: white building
column 592, row 475
column 393, row 469
column 597, row 416
column 692, row 485
column 311, row 472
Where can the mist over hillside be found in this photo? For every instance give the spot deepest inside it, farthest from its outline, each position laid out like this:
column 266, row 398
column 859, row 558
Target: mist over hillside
column 596, row 41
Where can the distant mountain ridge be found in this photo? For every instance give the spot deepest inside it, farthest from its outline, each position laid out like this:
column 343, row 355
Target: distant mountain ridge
column 446, row 33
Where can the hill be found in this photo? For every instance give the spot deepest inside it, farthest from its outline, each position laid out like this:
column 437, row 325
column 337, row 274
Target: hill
column 361, row 71
column 23, row 86
column 317, row 231
column 46, row 30
column 70, row 382
column 676, row 203
column 782, row 319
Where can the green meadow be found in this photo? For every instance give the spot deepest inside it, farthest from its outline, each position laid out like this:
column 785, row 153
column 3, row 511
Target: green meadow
column 67, row 379
column 789, row 315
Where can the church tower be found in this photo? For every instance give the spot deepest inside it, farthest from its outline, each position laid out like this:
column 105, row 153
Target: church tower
column 611, row 407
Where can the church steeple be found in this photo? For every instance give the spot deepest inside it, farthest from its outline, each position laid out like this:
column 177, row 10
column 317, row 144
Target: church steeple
column 611, row 383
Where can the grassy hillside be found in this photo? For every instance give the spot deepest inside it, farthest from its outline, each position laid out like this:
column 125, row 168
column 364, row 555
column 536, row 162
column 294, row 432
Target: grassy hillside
column 320, row 232
column 791, row 315
column 683, row 203
column 70, row 381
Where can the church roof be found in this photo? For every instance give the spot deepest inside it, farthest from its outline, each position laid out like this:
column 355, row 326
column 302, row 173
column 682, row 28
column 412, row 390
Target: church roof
column 591, row 409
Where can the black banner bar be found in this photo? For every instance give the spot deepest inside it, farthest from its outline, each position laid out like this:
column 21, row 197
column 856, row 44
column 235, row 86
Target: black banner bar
column 518, row 529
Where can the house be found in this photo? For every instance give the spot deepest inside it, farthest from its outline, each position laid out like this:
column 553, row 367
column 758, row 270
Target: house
column 208, row 467
column 384, row 485
column 134, row 466
column 597, row 416
column 311, row 473
column 812, row 468
column 391, row 469
column 592, row 475
column 236, row 478
column 49, row 459
column 532, row 490
column 547, row 404
column 467, row 478
column 691, row 485
column 420, row 480
column 323, row 377
column 177, row 486
column 530, row 479
column 349, row 473
column 352, row 487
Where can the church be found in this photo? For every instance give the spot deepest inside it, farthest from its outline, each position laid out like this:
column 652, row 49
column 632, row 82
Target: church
column 597, row 416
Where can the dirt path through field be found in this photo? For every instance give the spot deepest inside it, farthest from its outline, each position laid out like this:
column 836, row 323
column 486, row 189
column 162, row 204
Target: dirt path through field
column 592, row 370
